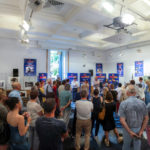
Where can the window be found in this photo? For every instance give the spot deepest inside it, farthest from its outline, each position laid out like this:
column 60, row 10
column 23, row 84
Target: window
column 57, row 64
column 54, row 64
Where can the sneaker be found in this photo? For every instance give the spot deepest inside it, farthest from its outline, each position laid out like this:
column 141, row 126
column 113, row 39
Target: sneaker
column 120, row 139
column 107, row 143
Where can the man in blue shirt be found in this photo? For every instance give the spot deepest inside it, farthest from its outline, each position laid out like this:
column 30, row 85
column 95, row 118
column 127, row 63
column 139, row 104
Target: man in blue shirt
column 16, row 91
column 134, row 118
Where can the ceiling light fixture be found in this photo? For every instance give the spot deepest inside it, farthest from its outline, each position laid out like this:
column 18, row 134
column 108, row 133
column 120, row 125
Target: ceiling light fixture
column 147, row 2
column 108, row 6
column 127, row 19
column 26, row 26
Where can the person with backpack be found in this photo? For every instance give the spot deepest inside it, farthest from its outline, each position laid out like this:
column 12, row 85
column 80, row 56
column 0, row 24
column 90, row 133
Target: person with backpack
column 97, row 103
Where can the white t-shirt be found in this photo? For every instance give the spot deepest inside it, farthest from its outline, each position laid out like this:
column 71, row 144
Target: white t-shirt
column 96, row 84
column 84, row 109
column 74, row 84
column 33, row 108
column 119, row 90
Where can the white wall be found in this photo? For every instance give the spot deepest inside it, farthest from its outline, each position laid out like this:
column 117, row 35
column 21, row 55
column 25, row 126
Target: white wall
column 128, row 57
column 12, row 54
column 78, row 59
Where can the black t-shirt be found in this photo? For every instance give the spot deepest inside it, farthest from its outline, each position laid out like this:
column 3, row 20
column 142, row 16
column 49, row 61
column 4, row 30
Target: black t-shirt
column 50, row 131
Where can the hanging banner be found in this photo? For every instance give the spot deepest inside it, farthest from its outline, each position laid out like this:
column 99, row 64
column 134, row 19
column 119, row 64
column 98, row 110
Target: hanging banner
column 101, row 77
column 29, row 67
column 99, row 68
column 113, row 78
column 85, row 77
column 42, row 77
column 72, row 76
column 120, row 69
column 139, row 71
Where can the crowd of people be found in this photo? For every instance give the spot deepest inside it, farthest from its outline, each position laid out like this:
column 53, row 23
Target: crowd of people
column 43, row 123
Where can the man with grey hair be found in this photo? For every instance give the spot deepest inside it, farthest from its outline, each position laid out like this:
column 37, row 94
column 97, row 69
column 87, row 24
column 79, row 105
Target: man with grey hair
column 16, row 91
column 134, row 118
column 48, row 88
column 65, row 98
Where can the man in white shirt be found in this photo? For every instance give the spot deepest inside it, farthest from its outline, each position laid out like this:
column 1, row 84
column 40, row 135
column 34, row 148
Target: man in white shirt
column 74, row 86
column 84, row 109
column 48, row 88
column 119, row 91
column 96, row 83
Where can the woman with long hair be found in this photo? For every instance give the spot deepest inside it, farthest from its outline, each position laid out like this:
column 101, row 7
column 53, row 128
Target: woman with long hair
column 18, row 128
column 109, row 122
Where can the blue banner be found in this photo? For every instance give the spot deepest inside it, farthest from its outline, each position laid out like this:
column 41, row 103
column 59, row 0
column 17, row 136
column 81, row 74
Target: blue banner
column 85, row 77
column 42, row 77
column 29, row 67
column 120, row 69
column 113, row 78
column 101, row 77
column 72, row 76
column 99, row 68
column 139, row 69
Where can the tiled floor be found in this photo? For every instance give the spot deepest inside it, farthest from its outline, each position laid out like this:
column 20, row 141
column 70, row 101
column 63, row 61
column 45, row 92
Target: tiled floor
column 94, row 145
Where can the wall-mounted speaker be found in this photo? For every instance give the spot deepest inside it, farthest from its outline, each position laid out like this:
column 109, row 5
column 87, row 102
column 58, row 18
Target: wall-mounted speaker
column 91, row 72
column 15, row 72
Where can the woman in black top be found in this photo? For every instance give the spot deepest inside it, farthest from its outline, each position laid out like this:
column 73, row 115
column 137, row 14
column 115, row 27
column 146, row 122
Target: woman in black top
column 109, row 122
column 97, row 103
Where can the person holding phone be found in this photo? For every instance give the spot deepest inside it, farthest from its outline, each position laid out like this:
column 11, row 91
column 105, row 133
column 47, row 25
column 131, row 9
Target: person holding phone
column 16, row 122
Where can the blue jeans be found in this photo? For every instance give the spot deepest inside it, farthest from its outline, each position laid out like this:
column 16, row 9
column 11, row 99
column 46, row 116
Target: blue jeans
column 127, row 139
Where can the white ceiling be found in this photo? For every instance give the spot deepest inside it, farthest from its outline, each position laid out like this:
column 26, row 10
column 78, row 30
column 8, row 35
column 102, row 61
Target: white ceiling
column 78, row 24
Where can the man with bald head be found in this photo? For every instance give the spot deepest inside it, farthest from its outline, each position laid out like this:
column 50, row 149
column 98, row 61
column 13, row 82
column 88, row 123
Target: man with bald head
column 16, row 91
column 134, row 118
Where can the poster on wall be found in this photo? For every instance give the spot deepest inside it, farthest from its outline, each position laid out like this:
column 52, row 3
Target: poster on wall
column 42, row 77
column 2, row 84
column 120, row 69
column 113, row 78
column 29, row 67
column 85, row 77
column 101, row 77
column 99, row 68
column 139, row 71
column 72, row 76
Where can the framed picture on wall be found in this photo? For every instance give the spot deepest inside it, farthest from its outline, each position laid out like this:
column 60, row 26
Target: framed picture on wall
column 29, row 67
column 2, row 84
column 28, row 85
column 99, row 68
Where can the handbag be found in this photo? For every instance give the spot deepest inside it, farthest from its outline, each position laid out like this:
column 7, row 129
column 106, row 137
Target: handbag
column 101, row 115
